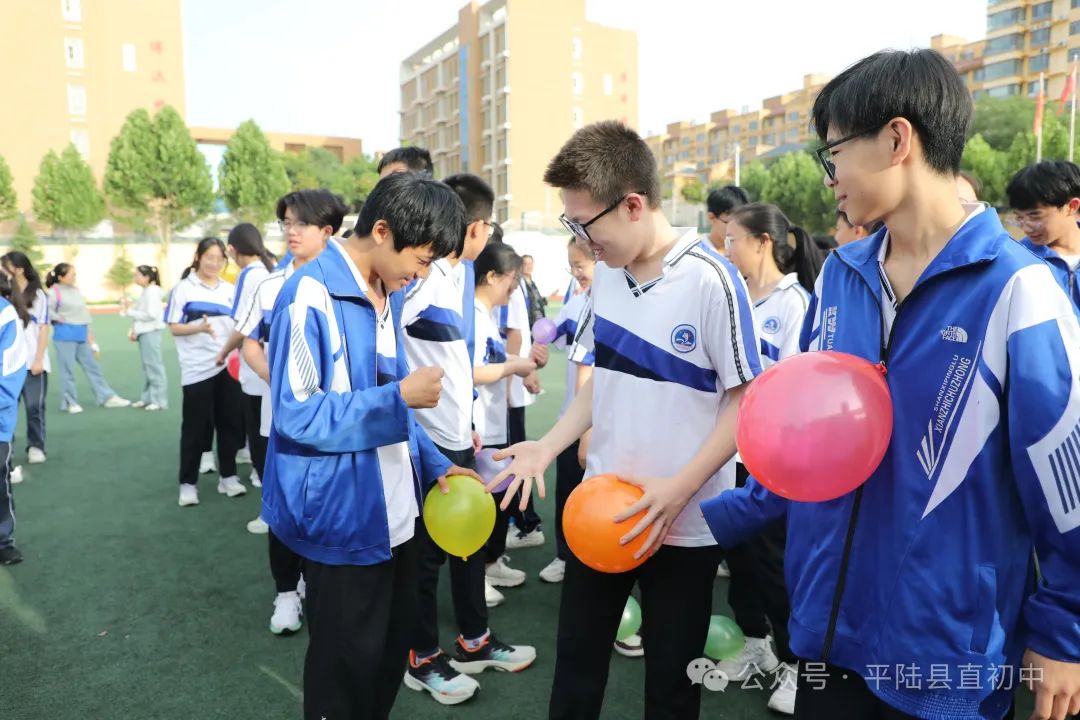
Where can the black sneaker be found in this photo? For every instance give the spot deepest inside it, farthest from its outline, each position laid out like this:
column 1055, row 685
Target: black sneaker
column 437, row 677
column 492, row 654
column 10, row 555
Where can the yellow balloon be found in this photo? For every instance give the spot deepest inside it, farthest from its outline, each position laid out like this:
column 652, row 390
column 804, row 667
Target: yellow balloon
column 461, row 521
column 230, row 273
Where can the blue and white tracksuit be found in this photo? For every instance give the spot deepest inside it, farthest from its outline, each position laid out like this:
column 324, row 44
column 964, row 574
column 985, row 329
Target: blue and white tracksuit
column 929, row 565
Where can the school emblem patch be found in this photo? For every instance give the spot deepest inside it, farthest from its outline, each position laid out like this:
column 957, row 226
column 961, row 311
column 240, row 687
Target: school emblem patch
column 684, row 338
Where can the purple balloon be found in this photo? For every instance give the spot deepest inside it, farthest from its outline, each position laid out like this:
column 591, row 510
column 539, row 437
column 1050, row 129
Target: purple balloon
column 544, row 331
column 487, row 467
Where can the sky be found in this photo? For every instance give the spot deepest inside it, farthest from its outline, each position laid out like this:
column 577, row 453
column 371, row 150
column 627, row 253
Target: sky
column 332, row 66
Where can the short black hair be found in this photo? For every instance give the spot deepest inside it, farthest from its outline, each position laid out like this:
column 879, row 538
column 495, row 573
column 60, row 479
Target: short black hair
column 419, row 212
column 725, row 199
column 316, row 207
column 415, row 158
column 477, row 195
column 1050, row 182
column 496, row 233
column 918, row 85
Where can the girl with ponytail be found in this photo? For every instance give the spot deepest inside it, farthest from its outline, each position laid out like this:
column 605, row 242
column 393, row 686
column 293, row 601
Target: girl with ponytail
column 147, row 328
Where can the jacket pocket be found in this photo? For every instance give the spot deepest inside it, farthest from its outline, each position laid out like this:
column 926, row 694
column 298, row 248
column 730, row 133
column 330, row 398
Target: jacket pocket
column 986, row 608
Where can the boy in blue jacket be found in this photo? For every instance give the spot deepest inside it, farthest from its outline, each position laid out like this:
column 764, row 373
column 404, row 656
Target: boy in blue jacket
column 348, row 465
column 916, row 595
column 13, row 363
column 1046, row 199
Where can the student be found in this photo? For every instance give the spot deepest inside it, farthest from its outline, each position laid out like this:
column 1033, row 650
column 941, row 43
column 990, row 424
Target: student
column 498, row 271
column 436, row 335
column 537, row 302
column 672, row 331
column 406, row 159
column 570, row 465
column 1046, row 199
column 758, row 245
column 348, row 465
column 147, row 327
column 199, row 318
column 13, row 349
column 245, row 247
column 719, row 205
column 928, row 566
column 308, row 218
column 27, row 283
column 75, row 341
column 846, row 233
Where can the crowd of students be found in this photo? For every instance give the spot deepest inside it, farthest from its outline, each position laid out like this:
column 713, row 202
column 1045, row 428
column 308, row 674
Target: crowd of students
column 378, row 361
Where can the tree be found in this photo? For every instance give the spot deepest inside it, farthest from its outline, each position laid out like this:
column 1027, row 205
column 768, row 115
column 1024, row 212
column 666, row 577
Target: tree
column 26, row 242
column 159, row 175
column 364, row 175
column 989, row 166
column 122, row 272
column 65, row 193
column 693, row 192
column 755, row 180
column 8, row 204
column 795, row 186
column 318, row 168
column 252, row 176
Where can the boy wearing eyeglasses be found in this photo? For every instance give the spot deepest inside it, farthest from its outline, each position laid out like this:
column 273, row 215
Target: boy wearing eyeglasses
column 1046, row 199
column 673, row 337
column 916, row 595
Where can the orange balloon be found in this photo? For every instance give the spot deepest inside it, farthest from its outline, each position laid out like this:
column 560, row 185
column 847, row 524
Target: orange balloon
column 590, row 532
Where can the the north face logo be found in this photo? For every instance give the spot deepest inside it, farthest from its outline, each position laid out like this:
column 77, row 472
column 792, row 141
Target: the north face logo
column 954, row 334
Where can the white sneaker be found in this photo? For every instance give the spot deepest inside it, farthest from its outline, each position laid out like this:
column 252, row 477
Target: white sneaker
column 722, row 570
column 153, row 407
column 554, row 572
column 757, row 658
column 139, row 404
column 287, row 611
column 231, row 486
column 254, row 478
column 500, row 574
column 492, row 597
column 518, row 540
column 783, row 698
column 631, row 647
column 73, row 409
column 35, row 456
column 116, row 402
column 243, row 456
column 189, row 495
column 258, row 527
column 301, row 588
column 207, row 464
column 16, row 475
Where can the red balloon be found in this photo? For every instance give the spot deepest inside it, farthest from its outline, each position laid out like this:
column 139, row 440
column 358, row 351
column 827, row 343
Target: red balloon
column 591, row 533
column 233, row 365
column 815, row 426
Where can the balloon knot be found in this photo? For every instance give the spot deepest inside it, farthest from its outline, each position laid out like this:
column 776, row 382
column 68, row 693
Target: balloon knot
column 882, row 369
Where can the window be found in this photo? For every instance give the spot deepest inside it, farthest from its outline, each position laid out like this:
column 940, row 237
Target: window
column 76, row 99
column 753, row 142
column 1005, row 90
column 575, row 48
column 769, row 139
column 73, row 53
column 794, row 115
column 81, row 140
column 701, row 137
column 686, row 141
column 1039, row 63
column 701, row 152
column 609, row 84
column 753, row 125
column 1033, row 88
column 1040, row 38
column 997, row 70
column 793, row 133
column 577, row 83
column 72, row 10
column 1075, row 4
column 577, row 117
column 1006, row 43
column 128, row 57
column 1074, row 26
column 1041, row 11
column 1004, row 19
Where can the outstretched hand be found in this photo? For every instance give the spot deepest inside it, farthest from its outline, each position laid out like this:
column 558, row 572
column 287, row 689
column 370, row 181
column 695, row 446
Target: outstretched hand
column 531, row 460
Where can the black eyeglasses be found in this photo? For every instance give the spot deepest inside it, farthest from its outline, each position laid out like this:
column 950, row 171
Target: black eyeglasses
column 825, row 158
column 580, row 229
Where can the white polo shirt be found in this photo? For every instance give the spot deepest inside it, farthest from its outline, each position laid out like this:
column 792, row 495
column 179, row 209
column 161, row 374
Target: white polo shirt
column 246, row 285
column 779, row 317
column 515, row 316
column 490, row 408
column 39, row 318
column 189, row 302
column 256, row 322
column 435, row 333
column 567, row 323
column 666, row 352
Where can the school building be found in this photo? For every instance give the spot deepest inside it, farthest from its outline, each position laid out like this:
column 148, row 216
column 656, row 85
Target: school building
column 499, row 92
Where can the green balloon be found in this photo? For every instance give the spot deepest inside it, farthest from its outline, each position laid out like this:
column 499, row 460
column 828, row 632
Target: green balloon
column 631, row 620
column 725, row 640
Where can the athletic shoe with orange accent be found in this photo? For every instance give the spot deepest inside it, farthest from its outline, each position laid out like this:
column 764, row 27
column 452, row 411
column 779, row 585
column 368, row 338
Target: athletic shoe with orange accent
column 492, row 653
column 436, row 676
